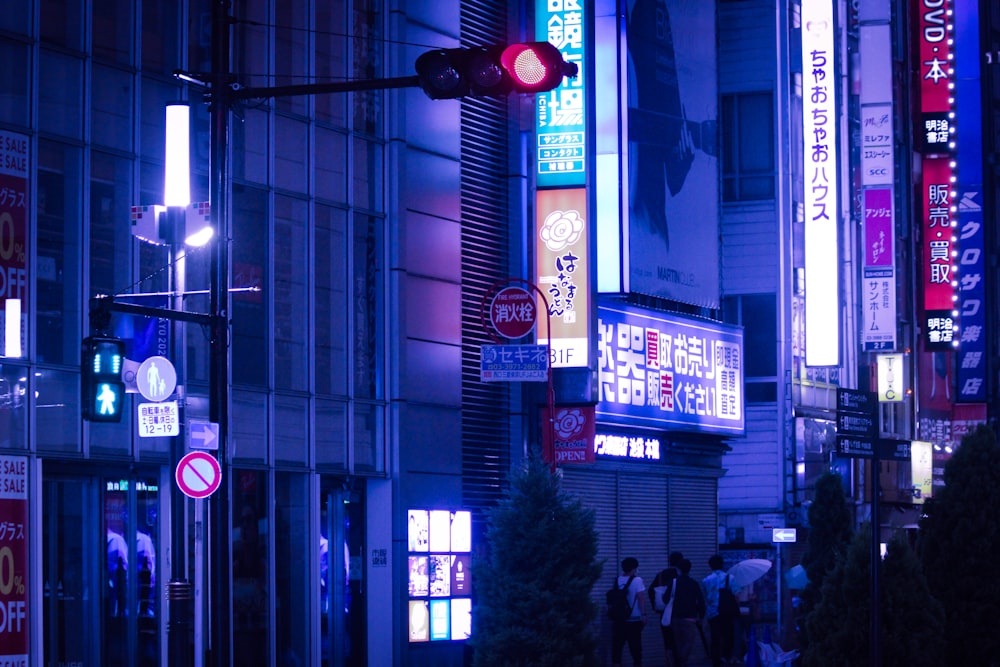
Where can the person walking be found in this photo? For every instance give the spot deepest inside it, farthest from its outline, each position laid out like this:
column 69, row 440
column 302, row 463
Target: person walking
column 629, row 630
column 689, row 609
column 664, row 580
column 721, row 610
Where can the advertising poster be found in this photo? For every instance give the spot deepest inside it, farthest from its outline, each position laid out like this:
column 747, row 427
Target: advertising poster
column 562, row 272
column 13, row 560
column 439, row 575
column 573, row 429
column 879, row 286
column 659, row 370
column 14, row 203
column 673, row 165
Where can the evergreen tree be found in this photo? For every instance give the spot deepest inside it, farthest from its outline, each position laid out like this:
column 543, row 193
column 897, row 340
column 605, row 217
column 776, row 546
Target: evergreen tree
column 838, row 626
column 959, row 544
column 533, row 604
column 829, row 533
column 912, row 620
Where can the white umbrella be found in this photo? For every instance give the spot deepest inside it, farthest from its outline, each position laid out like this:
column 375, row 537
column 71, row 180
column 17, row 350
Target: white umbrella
column 748, row 571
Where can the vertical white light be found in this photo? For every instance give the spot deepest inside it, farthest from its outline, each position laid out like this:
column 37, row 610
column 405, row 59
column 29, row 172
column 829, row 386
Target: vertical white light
column 12, row 329
column 177, row 177
column 820, row 144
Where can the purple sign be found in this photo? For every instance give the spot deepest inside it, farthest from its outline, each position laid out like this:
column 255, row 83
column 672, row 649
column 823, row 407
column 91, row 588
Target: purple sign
column 878, row 227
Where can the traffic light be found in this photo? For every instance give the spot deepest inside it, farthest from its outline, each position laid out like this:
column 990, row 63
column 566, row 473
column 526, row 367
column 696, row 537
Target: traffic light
column 102, row 391
column 479, row 71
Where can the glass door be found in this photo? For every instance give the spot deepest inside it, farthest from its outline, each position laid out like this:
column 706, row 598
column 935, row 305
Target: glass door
column 100, row 541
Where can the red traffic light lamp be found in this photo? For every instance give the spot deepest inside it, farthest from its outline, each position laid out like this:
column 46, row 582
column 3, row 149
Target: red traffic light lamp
column 529, row 67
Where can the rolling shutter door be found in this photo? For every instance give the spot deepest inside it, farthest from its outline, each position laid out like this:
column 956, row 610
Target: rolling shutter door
column 694, row 520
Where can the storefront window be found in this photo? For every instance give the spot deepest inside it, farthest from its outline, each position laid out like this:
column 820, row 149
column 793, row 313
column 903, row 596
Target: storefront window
column 292, row 567
column 251, row 528
column 13, row 407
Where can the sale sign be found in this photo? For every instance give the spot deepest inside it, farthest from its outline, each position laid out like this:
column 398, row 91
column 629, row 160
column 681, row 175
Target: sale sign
column 13, row 560
column 14, row 204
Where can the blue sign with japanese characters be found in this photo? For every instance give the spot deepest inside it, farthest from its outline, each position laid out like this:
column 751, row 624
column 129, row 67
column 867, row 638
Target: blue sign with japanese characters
column 665, row 371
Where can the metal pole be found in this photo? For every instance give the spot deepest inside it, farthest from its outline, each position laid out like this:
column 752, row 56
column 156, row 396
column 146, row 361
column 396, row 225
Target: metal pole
column 875, row 650
column 220, row 523
column 178, row 592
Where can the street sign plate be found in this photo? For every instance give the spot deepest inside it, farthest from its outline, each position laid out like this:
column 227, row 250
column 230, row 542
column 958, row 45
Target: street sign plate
column 512, row 312
column 855, row 448
column 857, row 402
column 514, row 363
column 865, row 426
column 198, row 474
column 203, row 434
column 782, row 535
column 157, row 420
column 156, row 378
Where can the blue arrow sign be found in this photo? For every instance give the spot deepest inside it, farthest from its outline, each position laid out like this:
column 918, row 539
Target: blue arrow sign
column 204, row 435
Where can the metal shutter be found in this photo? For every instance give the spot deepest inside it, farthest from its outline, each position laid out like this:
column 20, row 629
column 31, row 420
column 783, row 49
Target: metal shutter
column 694, row 520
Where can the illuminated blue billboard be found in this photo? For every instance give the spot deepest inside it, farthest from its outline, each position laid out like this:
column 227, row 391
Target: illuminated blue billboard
column 665, row 371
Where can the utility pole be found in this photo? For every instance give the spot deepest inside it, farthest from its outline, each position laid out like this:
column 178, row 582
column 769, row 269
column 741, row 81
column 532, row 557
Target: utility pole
column 220, row 525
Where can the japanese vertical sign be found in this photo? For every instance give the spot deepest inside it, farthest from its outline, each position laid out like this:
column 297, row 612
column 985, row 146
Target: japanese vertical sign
column 879, row 283
column 14, row 203
column 13, row 560
column 971, row 368
column 562, row 272
column 820, row 153
column 935, row 205
column 938, row 270
column 560, row 127
column 660, row 370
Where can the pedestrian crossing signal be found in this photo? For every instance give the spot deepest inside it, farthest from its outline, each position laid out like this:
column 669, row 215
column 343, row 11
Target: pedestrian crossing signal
column 102, row 390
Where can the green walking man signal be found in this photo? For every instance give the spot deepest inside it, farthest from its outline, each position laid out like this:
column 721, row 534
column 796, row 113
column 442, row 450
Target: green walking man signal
column 102, row 390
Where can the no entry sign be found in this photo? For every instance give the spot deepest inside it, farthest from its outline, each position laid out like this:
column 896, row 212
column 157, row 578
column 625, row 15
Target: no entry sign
column 198, row 474
column 512, row 312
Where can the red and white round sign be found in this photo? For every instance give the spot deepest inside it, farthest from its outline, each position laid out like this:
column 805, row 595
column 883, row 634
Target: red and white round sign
column 513, row 312
column 198, row 474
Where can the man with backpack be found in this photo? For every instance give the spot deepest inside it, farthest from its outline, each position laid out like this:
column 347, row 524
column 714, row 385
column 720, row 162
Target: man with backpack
column 660, row 594
column 627, row 613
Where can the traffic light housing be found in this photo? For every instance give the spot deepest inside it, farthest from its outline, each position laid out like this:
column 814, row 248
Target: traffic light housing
column 102, row 391
column 481, row 71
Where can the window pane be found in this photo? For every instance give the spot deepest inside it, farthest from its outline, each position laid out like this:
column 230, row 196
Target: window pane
column 291, row 54
column 14, row 82
column 331, row 59
column 249, row 426
column 112, row 108
column 111, row 30
column 251, row 528
column 60, row 22
column 331, row 434
column 291, row 546
column 330, row 276
column 291, row 432
column 756, row 134
column 331, row 165
column 59, row 99
column 110, row 241
column 367, row 262
column 250, row 147
column 160, row 43
column 13, row 407
column 290, row 296
column 58, row 271
column 249, row 262
column 760, row 334
column 57, row 411
column 366, row 179
column 367, row 440
column 291, row 155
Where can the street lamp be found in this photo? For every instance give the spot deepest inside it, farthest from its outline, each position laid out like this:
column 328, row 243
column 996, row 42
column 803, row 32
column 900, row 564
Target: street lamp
column 177, row 198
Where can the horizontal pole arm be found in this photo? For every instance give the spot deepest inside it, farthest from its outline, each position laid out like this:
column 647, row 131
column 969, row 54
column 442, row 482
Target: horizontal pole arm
column 254, row 93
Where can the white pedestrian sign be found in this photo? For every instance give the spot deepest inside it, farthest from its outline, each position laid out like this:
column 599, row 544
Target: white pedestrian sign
column 156, row 379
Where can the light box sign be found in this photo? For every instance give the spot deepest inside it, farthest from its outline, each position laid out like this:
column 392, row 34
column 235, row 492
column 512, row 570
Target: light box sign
column 664, row 371
column 937, row 261
column 935, row 55
column 891, row 384
column 562, row 272
column 622, row 446
column 439, row 580
column 820, row 154
column 971, row 369
column 879, row 287
column 560, row 117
